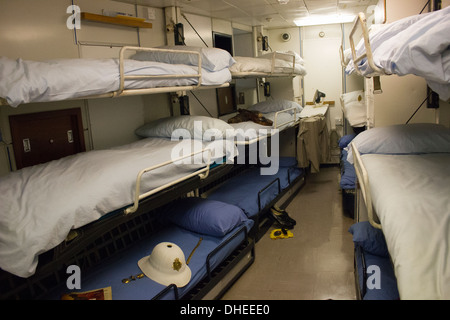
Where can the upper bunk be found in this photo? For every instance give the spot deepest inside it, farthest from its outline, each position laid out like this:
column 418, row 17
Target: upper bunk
column 415, row 45
column 147, row 71
column 275, row 64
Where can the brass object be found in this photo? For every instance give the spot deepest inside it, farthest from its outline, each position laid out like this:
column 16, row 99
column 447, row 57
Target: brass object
column 177, row 264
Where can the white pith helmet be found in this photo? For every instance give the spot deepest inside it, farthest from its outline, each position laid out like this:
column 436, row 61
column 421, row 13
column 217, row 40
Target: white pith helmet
column 166, row 265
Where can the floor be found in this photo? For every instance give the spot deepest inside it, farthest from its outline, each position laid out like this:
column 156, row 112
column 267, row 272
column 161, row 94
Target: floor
column 317, row 262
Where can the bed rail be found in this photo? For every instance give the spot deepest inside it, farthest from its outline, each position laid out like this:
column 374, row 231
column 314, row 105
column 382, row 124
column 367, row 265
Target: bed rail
column 363, row 179
column 202, row 173
column 294, row 121
column 272, row 73
column 361, row 23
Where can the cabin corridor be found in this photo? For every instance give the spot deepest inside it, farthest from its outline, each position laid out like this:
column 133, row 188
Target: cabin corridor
column 317, row 263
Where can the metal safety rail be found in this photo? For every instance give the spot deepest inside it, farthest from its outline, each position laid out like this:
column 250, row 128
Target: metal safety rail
column 363, row 183
column 202, row 173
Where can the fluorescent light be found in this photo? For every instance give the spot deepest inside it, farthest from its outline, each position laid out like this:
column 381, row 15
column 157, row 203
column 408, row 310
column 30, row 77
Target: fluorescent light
column 283, row 1
column 324, row 19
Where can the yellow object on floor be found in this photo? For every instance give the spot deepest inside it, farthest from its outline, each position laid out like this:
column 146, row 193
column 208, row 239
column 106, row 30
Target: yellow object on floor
column 281, row 234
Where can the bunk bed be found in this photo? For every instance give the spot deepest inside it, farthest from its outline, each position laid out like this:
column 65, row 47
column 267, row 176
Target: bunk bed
column 275, row 64
column 413, row 45
column 104, row 205
column 401, row 169
column 402, row 189
column 149, row 70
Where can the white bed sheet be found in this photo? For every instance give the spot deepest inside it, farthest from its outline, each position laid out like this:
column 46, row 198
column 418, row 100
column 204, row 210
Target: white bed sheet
column 411, row 197
column 41, row 204
column 414, row 45
column 264, row 65
column 24, row 81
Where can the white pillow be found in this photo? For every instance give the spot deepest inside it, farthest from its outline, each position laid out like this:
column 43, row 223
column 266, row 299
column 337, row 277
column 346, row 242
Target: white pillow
column 355, row 108
column 189, row 127
column 213, row 59
column 414, row 138
column 354, row 96
column 275, row 106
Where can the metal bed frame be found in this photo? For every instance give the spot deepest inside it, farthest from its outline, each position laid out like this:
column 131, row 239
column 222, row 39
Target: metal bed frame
column 285, row 125
column 122, row 91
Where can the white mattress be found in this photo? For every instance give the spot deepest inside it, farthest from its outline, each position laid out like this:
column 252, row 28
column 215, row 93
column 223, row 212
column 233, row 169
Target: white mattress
column 411, row 196
column 24, row 81
column 41, row 204
column 414, row 45
column 251, row 65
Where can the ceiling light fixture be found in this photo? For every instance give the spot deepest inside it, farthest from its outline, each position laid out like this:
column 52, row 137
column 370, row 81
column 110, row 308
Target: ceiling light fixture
column 323, row 19
column 283, row 1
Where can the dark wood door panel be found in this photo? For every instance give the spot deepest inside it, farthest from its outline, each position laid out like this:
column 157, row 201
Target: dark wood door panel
column 45, row 136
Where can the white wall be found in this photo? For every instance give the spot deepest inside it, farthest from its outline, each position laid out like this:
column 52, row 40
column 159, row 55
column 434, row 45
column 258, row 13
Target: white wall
column 321, row 54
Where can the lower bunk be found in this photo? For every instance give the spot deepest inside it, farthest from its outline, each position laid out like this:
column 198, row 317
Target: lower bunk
column 198, row 249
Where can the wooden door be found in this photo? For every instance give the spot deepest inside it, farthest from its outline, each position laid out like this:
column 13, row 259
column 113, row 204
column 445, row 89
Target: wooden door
column 45, row 136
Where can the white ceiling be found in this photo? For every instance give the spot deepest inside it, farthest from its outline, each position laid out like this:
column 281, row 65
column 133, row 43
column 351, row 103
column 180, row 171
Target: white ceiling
column 269, row 13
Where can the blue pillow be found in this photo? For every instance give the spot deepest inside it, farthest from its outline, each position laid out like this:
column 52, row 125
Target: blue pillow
column 210, row 217
column 369, row 238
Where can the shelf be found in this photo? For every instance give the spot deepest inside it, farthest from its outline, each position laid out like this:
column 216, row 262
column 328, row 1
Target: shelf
column 118, row 20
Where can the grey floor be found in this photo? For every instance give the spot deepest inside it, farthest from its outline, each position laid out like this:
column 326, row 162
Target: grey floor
column 317, row 262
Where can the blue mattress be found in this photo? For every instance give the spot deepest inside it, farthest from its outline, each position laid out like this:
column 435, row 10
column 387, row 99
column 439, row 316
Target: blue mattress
column 252, row 191
column 111, row 272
